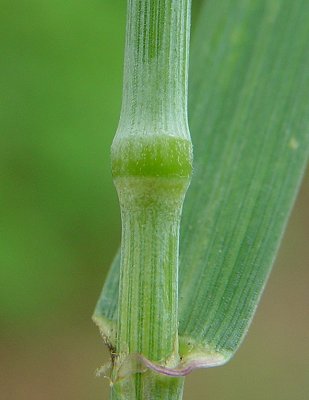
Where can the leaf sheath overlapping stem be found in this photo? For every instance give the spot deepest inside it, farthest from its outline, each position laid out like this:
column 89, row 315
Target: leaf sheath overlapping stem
column 249, row 121
column 151, row 165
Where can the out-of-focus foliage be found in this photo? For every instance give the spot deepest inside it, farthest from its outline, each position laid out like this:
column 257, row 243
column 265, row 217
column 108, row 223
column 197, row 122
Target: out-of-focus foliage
column 59, row 104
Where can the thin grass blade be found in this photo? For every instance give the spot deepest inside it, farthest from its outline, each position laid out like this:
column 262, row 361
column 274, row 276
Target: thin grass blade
column 249, row 120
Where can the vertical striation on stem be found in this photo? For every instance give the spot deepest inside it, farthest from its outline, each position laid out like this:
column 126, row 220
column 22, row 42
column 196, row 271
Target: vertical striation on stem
column 151, row 165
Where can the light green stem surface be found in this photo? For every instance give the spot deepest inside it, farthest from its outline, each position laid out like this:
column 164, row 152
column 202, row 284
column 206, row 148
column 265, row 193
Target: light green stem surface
column 148, row 306
column 156, row 69
column 152, row 164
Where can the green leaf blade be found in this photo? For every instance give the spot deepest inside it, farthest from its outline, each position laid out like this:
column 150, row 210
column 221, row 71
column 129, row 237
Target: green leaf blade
column 251, row 149
column 249, row 121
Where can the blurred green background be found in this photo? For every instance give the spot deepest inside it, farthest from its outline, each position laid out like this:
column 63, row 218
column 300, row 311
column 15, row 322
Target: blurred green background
column 60, row 93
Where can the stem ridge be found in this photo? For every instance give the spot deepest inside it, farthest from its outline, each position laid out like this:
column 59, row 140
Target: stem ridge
column 152, row 166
